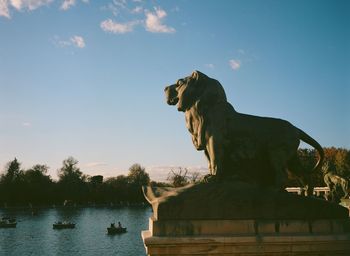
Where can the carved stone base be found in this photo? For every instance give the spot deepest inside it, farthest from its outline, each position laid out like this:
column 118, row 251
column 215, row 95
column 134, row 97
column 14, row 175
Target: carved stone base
column 247, row 237
column 236, row 200
column 236, row 218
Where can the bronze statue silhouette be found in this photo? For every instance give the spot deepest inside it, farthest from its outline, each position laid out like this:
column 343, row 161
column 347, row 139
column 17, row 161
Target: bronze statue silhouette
column 260, row 150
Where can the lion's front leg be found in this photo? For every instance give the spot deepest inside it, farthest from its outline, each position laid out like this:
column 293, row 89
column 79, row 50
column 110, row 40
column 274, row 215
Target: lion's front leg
column 209, row 177
column 208, row 158
column 215, row 157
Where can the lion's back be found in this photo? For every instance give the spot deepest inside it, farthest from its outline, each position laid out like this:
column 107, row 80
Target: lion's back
column 266, row 130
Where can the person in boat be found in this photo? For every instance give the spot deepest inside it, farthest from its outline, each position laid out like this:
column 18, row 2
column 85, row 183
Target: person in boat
column 119, row 224
column 112, row 225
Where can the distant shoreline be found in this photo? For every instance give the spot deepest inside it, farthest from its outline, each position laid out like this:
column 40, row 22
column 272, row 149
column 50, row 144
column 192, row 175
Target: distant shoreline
column 54, row 206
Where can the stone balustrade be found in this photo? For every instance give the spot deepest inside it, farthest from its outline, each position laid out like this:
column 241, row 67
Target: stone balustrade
column 318, row 191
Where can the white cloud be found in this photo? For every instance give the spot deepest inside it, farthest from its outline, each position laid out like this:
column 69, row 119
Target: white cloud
column 78, row 41
column 235, row 64
column 118, row 28
column 67, row 4
column 116, row 6
column 4, row 9
column 16, row 4
column 29, row 4
column 154, row 22
column 20, row 5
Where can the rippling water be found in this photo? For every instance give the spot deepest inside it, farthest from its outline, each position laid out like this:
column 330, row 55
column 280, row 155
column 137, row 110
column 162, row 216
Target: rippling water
column 34, row 234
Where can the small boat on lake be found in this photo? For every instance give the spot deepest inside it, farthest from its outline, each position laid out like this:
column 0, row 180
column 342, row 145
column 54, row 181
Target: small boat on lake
column 63, row 224
column 116, row 230
column 8, row 222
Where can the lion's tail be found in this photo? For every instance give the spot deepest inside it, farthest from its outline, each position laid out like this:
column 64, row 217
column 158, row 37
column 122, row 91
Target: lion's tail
column 306, row 138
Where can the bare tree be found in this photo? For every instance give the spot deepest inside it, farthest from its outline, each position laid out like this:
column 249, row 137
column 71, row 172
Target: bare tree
column 178, row 178
column 194, row 177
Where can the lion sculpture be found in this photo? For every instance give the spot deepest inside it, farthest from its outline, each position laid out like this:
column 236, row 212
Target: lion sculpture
column 259, row 150
column 335, row 182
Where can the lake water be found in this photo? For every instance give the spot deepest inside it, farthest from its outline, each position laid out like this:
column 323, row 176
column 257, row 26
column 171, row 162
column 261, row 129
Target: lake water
column 34, row 235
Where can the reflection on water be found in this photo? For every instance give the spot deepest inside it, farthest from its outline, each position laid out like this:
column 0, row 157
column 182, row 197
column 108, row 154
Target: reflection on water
column 34, row 235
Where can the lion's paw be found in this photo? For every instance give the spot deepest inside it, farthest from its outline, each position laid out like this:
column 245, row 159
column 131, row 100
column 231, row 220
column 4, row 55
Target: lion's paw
column 208, row 178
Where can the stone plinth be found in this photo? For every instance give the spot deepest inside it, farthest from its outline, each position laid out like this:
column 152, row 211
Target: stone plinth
column 235, row 218
column 236, row 200
column 247, row 237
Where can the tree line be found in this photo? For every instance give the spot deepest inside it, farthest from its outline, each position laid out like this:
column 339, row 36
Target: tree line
column 35, row 186
column 337, row 159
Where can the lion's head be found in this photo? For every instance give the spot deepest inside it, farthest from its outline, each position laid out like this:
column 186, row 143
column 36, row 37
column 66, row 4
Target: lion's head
column 191, row 89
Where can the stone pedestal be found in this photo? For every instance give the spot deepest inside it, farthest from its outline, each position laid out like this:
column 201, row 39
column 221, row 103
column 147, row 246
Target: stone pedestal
column 241, row 219
column 247, row 237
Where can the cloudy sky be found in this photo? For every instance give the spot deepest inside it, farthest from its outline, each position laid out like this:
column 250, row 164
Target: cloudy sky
column 85, row 78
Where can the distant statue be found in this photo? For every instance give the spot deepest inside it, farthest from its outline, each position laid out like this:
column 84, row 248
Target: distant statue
column 259, row 150
column 335, row 183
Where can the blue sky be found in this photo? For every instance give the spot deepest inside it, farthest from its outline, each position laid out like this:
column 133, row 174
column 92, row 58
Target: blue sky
column 85, row 78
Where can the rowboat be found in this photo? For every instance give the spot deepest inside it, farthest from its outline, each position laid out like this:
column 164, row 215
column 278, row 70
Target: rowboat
column 63, row 224
column 8, row 222
column 115, row 230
